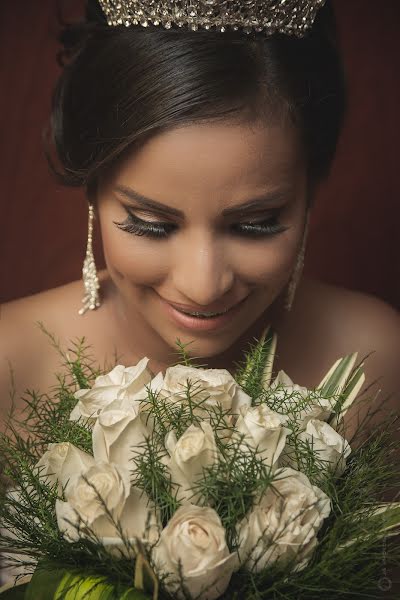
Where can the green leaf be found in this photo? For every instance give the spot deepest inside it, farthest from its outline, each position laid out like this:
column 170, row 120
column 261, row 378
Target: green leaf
column 43, row 584
column 133, row 594
column 63, row 585
column 257, row 370
column 387, row 514
column 75, row 587
column 349, row 394
column 269, row 360
column 13, row 593
column 336, row 378
column 345, row 381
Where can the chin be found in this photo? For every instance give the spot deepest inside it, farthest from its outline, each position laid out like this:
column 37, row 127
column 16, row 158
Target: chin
column 226, row 339
column 207, row 345
column 207, row 348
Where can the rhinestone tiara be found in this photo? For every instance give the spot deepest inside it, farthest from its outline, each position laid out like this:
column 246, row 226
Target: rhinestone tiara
column 291, row 17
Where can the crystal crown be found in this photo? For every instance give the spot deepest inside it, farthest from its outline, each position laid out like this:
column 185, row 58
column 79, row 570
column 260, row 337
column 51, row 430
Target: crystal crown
column 291, row 17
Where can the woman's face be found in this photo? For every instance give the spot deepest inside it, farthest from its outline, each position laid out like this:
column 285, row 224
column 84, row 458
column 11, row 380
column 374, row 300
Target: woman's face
column 208, row 216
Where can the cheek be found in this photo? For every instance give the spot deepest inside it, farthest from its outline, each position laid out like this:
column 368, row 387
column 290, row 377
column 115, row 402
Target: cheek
column 133, row 259
column 267, row 263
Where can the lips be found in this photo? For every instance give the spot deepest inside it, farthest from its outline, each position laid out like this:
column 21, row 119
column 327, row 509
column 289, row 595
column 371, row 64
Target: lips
column 202, row 309
column 200, row 324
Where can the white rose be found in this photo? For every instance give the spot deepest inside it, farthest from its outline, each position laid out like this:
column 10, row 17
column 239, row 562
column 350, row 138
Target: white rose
column 58, row 464
column 99, row 497
column 62, row 461
column 284, row 524
column 211, row 388
column 193, row 544
column 118, row 432
column 189, row 456
column 302, row 403
column 120, row 383
column 102, row 486
column 156, row 384
column 263, row 430
column 328, row 445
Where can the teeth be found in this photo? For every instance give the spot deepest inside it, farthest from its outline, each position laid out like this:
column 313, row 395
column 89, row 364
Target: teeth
column 202, row 315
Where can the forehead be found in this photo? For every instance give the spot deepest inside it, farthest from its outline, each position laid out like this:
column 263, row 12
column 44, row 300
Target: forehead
column 214, row 158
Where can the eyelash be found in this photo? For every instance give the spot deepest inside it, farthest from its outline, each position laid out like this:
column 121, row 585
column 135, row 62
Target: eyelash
column 160, row 230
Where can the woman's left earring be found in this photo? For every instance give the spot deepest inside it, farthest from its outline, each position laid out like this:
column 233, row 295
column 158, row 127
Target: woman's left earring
column 298, row 268
column 91, row 299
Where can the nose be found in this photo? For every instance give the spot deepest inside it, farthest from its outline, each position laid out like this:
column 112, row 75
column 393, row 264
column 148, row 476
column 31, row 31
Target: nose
column 202, row 273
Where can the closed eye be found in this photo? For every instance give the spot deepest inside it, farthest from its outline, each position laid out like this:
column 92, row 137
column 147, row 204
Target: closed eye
column 152, row 229
column 256, row 229
column 162, row 230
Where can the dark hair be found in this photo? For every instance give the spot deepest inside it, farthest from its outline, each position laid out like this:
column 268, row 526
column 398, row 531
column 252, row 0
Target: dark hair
column 121, row 85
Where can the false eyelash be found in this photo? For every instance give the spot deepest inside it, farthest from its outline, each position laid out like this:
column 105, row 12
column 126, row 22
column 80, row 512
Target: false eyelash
column 140, row 227
column 136, row 226
column 268, row 227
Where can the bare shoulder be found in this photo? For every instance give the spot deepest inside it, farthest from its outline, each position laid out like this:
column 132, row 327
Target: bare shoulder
column 25, row 350
column 352, row 318
column 20, row 319
column 356, row 321
column 329, row 322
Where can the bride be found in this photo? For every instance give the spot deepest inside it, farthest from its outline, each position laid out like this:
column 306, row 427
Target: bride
column 201, row 152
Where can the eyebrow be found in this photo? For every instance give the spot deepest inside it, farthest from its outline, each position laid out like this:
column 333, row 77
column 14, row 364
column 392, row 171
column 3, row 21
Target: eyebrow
column 253, row 204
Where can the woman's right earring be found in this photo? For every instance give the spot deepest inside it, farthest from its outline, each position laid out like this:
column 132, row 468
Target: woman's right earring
column 91, row 299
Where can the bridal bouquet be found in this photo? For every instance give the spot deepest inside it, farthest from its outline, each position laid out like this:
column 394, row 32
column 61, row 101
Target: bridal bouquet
column 195, row 484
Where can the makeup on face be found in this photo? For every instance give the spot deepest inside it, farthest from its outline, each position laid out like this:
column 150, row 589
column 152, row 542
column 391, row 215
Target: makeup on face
column 205, row 220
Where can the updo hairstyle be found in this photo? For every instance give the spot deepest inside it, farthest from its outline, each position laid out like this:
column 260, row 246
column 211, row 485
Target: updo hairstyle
column 121, row 85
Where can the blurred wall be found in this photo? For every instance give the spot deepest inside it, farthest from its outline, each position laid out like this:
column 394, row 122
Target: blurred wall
column 354, row 238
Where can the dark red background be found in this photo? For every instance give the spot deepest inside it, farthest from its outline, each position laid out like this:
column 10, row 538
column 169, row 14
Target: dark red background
column 355, row 233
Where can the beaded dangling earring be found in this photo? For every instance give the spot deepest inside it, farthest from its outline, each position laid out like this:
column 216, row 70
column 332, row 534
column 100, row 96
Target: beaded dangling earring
column 298, row 268
column 91, row 299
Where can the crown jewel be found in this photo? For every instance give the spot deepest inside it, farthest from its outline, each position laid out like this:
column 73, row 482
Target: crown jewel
column 292, row 17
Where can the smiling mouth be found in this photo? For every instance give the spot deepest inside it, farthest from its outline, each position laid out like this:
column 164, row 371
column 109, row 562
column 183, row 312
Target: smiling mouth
column 201, row 315
column 204, row 314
